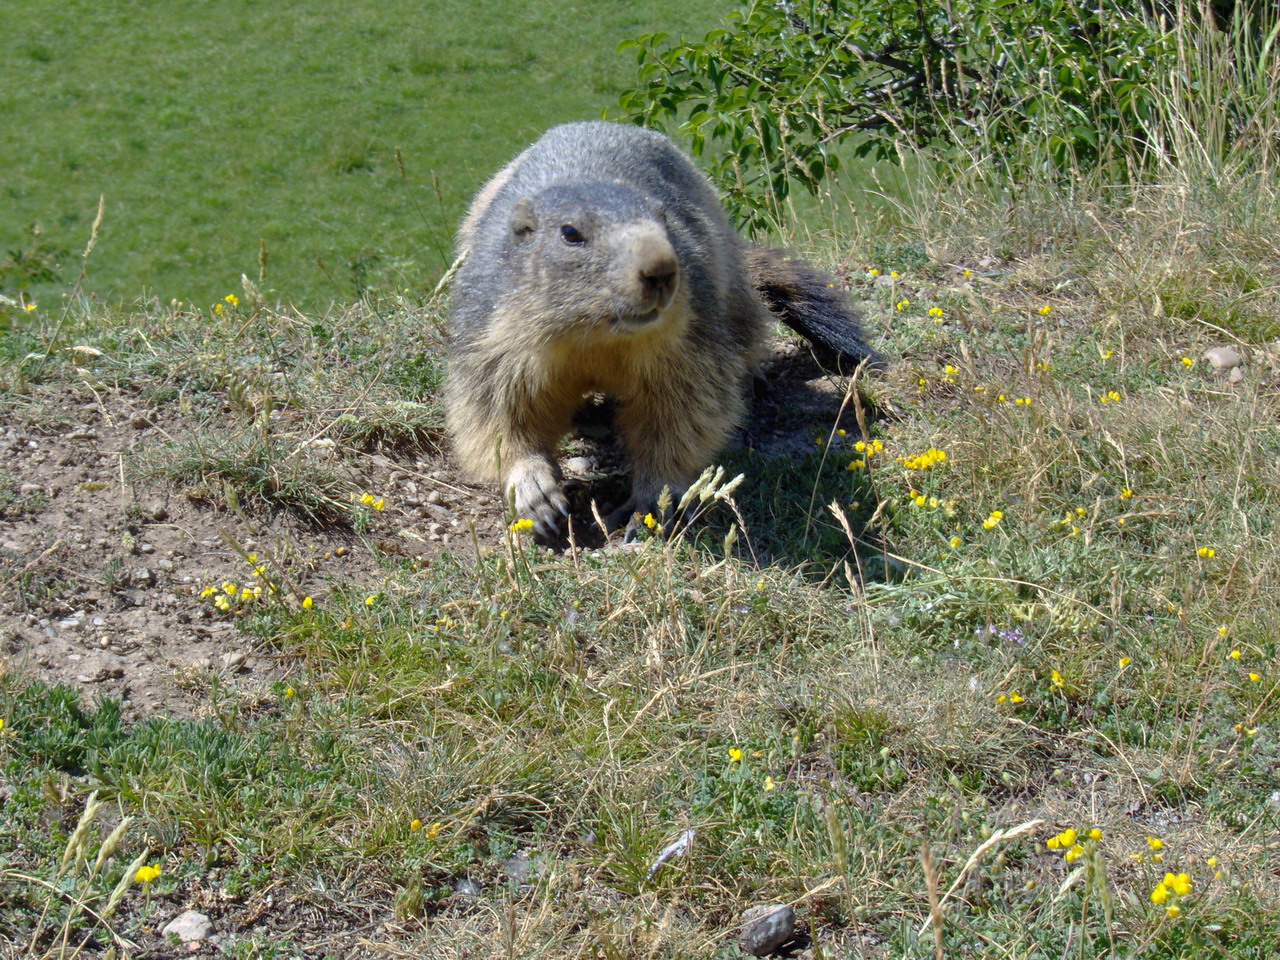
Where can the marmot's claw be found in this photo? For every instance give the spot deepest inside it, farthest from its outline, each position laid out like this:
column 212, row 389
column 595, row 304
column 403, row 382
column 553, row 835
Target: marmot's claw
column 540, row 498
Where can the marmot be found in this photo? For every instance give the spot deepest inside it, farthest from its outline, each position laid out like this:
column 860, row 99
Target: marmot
column 600, row 260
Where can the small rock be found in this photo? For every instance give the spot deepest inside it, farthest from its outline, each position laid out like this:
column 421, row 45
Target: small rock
column 434, row 496
column 81, row 433
column 1223, row 358
column 766, row 927
column 142, row 577
column 1236, row 375
column 146, row 548
column 157, row 511
column 139, row 422
column 189, row 926
column 233, row 661
column 439, row 512
column 166, row 565
column 30, row 489
column 580, row 466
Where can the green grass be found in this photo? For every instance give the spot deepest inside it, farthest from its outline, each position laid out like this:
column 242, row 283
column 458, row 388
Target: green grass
column 208, row 133
column 583, row 709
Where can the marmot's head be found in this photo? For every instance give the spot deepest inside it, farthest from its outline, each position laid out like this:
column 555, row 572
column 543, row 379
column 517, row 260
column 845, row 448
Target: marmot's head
column 598, row 253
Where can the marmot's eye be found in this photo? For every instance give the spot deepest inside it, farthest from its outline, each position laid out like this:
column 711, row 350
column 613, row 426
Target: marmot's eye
column 569, row 234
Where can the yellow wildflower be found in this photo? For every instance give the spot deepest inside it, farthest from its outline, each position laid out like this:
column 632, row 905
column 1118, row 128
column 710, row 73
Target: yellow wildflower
column 415, row 824
column 146, row 874
column 1206, row 553
column 523, row 525
column 1159, row 894
column 232, row 299
column 1095, row 834
column 770, row 784
column 1044, row 311
column 433, row 831
column 1125, row 661
column 735, row 754
column 1155, row 843
column 1187, row 362
column 1073, row 853
column 1173, row 911
column 307, row 603
column 1056, row 678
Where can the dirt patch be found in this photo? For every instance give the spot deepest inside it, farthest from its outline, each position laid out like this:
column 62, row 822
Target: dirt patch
column 101, row 578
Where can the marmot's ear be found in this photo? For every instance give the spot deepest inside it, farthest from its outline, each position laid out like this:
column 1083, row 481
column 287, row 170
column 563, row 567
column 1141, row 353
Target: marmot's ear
column 523, row 219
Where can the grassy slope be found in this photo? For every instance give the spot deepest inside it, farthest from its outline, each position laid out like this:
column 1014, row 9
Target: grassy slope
column 279, row 121
column 587, row 710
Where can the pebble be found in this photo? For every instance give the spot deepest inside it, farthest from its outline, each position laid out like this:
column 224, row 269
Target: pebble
column 189, row 926
column 139, row 422
column 1223, row 358
column 434, row 496
column 142, row 577
column 233, row 661
column 30, row 489
column 766, row 927
column 580, row 465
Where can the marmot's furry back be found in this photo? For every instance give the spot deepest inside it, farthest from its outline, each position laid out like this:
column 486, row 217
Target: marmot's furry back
column 600, row 260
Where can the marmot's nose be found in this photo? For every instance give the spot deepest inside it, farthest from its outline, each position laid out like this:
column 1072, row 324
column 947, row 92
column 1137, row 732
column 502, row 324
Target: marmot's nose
column 658, row 276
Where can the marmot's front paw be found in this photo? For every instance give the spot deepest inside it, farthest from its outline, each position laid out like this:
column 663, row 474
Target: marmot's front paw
column 539, row 497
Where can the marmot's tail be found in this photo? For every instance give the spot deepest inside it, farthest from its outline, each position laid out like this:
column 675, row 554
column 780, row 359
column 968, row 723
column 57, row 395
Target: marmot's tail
column 809, row 303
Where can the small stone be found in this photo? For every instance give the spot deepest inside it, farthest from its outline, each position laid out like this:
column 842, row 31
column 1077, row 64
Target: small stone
column 434, row 496
column 439, row 512
column 166, row 565
column 1223, row 358
column 580, row 466
column 30, row 489
column 139, row 422
column 189, row 926
column 766, row 927
column 146, row 548
column 157, row 511
column 233, row 661
column 142, row 577
column 1236, row 375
